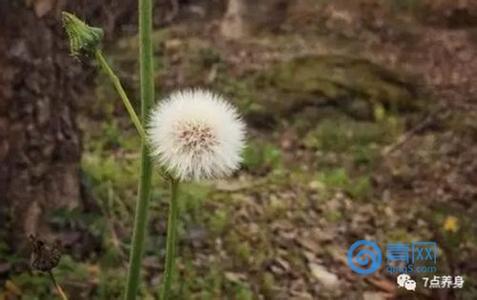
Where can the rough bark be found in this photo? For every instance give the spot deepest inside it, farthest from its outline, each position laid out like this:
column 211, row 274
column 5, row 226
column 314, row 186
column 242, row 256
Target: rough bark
column 39, row 140
column 247, row 17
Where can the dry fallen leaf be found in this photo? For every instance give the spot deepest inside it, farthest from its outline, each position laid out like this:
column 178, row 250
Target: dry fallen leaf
column 326, row 278
column 12, row 288
column 309, row 244
column 235, row 277
column 383, row 284
column 376, row 296
column 232, row 185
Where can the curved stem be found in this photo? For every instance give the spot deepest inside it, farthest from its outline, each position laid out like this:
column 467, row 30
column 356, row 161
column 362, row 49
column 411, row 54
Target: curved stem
column 122, row 94
column 147, row 99
column 57, row 286
column 171, row 240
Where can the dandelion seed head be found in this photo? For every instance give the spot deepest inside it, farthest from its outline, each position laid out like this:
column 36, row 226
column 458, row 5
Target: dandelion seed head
column 196, row 134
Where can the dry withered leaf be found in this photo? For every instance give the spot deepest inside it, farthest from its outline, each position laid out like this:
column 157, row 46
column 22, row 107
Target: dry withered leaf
column 377, row 296
column 383, row 284
column 44, row 257
column 309, row 243
column 12, row 288
column 235, row 277
column 326, row 278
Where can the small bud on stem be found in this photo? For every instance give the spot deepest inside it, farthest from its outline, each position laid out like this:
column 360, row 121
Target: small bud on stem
column 84, row 39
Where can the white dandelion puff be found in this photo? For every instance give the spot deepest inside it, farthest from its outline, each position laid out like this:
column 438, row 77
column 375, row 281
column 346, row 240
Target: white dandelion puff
column 196, row 134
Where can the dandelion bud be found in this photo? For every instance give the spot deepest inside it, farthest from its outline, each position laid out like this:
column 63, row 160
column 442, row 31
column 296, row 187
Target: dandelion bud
column 196, row 135
column 84, row 39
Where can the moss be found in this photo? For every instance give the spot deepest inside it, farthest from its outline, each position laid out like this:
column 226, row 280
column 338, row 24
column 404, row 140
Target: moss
column 333, row 216
column 344, row 135
column 242, row 292
column 109, row 169
column 218, row 222
column 353, row 85
column 267, row 285
column 358, row 187
column 395, row 235
column 192, row 198
column 111, row 285
column 340, row 79
column 244, row 252
column 260, row 156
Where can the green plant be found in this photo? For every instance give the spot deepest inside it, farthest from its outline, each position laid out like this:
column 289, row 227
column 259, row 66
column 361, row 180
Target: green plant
column 262, row 155
column 358, row 188
column 147, row 98
column 85, row 39
column 171, row 239
column 194, row 133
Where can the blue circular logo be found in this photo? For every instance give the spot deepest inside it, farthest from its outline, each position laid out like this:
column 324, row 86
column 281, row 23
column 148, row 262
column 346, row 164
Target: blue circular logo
column 367, row 259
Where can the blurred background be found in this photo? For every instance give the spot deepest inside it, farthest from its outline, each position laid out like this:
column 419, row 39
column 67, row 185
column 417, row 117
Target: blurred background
column 362, row 125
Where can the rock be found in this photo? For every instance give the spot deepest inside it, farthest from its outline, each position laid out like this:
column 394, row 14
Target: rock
column 353, row 84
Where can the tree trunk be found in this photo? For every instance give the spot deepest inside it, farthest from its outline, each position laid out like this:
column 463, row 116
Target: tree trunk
column 39, row 140
column 246, row 17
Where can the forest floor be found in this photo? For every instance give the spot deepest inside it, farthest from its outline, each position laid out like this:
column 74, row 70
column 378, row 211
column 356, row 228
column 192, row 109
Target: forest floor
column 361, row 126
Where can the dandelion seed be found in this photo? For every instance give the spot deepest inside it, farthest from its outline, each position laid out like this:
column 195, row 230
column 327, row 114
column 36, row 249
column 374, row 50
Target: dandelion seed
column 196, row 134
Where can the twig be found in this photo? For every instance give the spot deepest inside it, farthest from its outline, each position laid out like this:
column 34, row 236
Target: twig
column 402, row 139
column 57, row 286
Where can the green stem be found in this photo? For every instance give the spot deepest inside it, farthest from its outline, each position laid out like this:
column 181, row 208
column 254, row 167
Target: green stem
column 147, row 98
column 171, row 240
column 122, row 94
